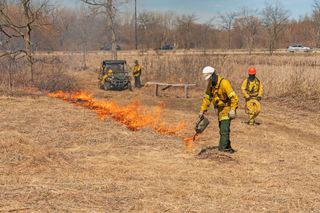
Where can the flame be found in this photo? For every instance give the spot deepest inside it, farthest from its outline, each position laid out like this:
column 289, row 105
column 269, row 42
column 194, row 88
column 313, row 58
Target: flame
column 189, row 142
column 133, row 115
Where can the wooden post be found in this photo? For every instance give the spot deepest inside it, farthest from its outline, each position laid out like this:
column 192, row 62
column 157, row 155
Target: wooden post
column 157, row 89
column 186, row 91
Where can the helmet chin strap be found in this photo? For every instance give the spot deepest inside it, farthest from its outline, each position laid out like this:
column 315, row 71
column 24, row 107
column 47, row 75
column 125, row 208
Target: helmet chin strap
column 207, row 76
column 214, row 79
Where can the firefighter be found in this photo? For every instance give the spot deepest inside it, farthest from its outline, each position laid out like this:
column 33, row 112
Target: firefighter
column 108, row 72
column 252, row 91
column 136, row 71
column 225, row 101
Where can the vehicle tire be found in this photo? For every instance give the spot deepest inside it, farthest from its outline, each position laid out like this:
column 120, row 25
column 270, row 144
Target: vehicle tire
column 100, row 85
column 129, row 86
column 107, row 86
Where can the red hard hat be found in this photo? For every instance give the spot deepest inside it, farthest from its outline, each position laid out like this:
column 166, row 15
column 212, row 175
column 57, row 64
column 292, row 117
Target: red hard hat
column 252, row 71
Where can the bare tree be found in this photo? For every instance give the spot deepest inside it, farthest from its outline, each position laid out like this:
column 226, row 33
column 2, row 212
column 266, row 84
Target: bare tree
column 275, row 18
column 155, row 29
column 17, row 28
column 264, row 30
column 248, row 24
column 207, row 26
column 186, row 30
column 316, row 21
column 147, row 25
column 63, row 25
column 11, row 68
column 109, row 8
column 85, row 33
column 226, row 22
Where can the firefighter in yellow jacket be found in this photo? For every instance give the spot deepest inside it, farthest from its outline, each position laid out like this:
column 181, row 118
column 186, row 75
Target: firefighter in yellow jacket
column 225, row 101
column 108, row 72
column 137, row 74
column 252, row 91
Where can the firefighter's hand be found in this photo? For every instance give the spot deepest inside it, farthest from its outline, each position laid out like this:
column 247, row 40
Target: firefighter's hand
column 247, row 98
column 232, row 114
column 259, row 98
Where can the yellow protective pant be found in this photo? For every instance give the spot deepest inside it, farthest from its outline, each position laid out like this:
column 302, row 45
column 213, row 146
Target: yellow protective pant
column 253, row 108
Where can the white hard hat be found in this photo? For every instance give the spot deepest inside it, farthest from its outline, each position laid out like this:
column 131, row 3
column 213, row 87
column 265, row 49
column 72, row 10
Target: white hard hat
column 207, row 72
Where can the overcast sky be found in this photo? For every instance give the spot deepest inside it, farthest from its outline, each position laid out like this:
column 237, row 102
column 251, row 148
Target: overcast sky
column 206, row 9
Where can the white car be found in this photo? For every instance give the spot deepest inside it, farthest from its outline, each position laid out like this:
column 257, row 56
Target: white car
column 298, row 48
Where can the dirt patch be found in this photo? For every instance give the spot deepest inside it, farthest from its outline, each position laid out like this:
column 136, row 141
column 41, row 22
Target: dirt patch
column 212, row 153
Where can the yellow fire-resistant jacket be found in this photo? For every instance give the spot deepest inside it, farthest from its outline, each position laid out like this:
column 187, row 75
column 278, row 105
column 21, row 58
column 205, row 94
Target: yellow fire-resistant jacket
column 108, row 73
column 252, row 89
column 223, row 97
column 136, row 70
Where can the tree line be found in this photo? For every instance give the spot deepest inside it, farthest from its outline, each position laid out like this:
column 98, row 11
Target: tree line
column 27, row 26
column 92, row 26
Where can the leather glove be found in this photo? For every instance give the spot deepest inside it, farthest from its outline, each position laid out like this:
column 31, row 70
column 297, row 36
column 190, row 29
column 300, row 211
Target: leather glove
column 232, row 114
column 259, row 98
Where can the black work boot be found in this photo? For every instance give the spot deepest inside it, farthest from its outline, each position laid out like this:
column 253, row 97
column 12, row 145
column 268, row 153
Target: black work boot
column 229, row 150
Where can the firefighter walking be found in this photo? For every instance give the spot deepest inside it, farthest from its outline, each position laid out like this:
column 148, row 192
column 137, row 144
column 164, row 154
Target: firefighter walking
column 136, row 71
column 252, row 91
column 225, row 101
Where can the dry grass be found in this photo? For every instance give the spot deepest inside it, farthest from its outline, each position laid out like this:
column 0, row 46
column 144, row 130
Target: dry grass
column 49, row 75
column 57, row 157
column 283, row 74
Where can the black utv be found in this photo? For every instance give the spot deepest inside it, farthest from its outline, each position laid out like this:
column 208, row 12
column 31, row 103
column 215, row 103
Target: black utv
column 114, row 75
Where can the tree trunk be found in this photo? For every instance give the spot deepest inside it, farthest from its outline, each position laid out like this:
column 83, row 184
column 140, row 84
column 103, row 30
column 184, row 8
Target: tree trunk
column 84, row 58
column 27, row 40
column 11, row 64
column 270, row 48
column 135, row 25
column 111, row 26
column 251, row 44
column 229, row 39
column 318, row 38
column 10, row 77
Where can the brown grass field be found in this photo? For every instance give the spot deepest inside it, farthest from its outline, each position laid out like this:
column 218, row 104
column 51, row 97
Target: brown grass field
column 59, row 157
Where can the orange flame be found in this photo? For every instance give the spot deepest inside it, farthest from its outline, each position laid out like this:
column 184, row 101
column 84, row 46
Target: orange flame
column 189, row 142
column 132, row 115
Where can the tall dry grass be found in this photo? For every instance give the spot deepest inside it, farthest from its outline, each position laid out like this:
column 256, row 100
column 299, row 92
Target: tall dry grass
column 294, row 75
column 12, row 73
column 49, row 75
column 283, row 75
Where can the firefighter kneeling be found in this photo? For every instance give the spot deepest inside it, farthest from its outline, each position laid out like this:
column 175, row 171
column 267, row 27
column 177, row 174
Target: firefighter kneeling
column 252, row 91
column 225, row 100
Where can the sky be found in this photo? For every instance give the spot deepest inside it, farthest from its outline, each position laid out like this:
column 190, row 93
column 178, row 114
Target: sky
column 204, row 10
